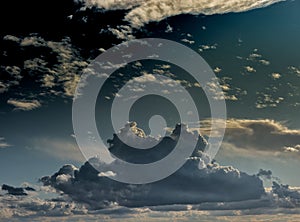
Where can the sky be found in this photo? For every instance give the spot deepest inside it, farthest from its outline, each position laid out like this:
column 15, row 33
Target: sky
column 252, row 49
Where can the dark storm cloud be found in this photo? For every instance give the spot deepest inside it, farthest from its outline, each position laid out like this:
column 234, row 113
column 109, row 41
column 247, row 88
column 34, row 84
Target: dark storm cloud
column 268, row 175
column 17, row 191
column 199, row 188
column 197, row 181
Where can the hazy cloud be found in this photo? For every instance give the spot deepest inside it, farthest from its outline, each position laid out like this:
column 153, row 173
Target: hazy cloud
column 59, row 148
column 3, row 143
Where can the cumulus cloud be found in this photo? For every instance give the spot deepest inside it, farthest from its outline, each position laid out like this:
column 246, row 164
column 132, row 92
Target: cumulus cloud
column 196, row 182
column 200, row 189
column 24, row 105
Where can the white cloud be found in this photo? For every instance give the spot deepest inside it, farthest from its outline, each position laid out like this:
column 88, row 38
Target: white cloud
column 294, row 149
column 23, row 104
column 294, row 70
column 276, row 75
column 249, row 69
column 106, row 174
column 142, row 12
column 265, row 100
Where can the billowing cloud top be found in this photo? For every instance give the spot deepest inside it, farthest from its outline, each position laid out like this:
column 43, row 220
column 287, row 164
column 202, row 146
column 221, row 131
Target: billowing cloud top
column 196, row 182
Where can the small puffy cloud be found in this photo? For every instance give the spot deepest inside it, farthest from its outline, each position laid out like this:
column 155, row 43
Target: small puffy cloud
column 228, row 91
column 188, row 41
column 264, row 62
column 295, row 70
column 55, row 65
column 207, row 47
column 250, row 69
column 25, row 105
column 276, row 75
column 267, row 100
column 217, row 70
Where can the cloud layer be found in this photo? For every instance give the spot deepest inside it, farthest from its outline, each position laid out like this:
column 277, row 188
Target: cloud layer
column 200, row 189
column 142, row 12
column 261, row 135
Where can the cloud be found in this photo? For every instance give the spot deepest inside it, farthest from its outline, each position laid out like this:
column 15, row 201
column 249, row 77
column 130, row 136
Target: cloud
column 17, row 191
column 249, row 69
column 3, row 143
column 200, row 189
column 229, row 92
column 29, row 207
column 55, row 66
column 260, row 135
column 276, row 75
column 294, row 70
column 265, row 100
column 142, row 12
column 59, row 148
column 155, row 10
column 24, row 105
column 196, row 182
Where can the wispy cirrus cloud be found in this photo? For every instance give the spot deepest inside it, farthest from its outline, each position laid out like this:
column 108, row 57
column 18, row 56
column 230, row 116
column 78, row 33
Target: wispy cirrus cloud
column 3, row 143
column 25, row 105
